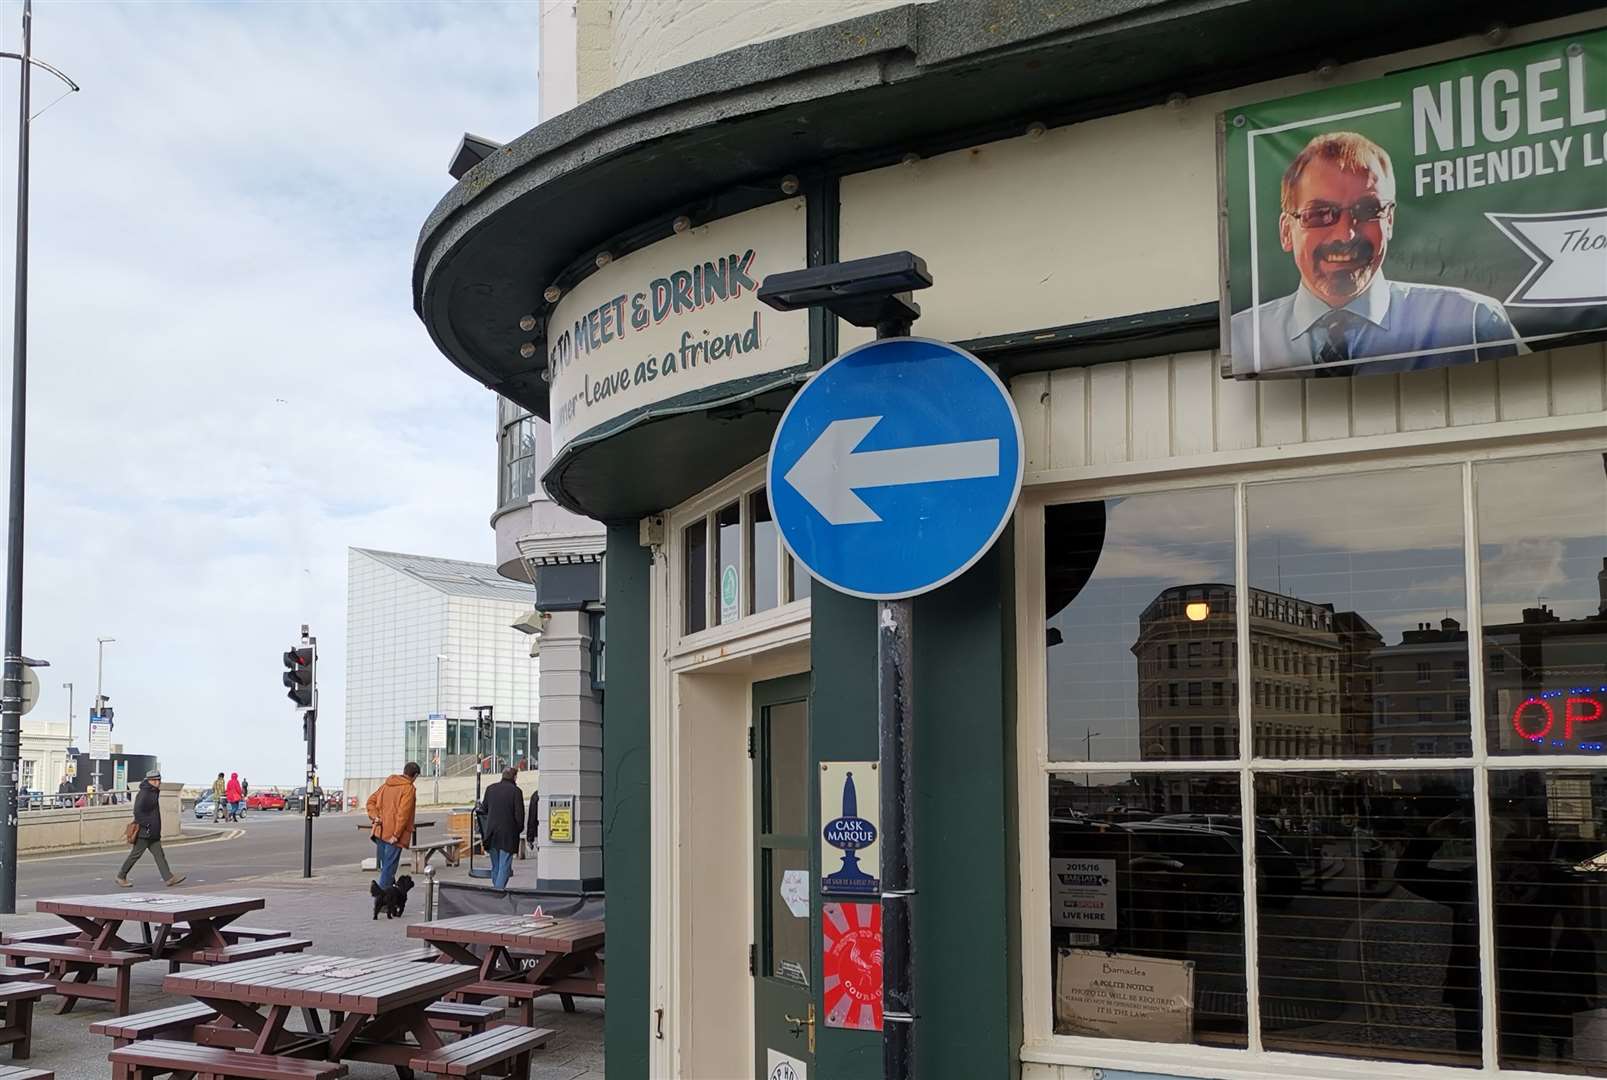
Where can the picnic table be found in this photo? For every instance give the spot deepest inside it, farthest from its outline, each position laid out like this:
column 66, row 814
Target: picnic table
column 377, row 1007
column 521, row 957
column 176, row 927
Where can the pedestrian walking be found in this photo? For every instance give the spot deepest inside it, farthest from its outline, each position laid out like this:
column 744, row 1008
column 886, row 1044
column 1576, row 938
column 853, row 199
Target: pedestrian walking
column 504, row 809
column 391, row 809
column 219, row 798
column 234, row 794
column 145, row 833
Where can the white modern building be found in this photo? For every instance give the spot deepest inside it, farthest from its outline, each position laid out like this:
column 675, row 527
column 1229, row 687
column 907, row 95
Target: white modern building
column 427, row 635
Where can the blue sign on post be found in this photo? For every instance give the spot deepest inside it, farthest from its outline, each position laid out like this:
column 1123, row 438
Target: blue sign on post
column 895, row 468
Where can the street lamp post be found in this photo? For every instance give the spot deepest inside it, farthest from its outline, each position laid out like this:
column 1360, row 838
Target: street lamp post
column 435, row 755
column 11, row 690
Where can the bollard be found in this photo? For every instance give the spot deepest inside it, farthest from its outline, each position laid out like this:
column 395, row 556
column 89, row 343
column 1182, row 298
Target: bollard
column 429, row 893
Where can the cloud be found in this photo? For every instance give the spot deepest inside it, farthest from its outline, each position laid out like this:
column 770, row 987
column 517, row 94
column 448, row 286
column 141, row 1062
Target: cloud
column 228, row 386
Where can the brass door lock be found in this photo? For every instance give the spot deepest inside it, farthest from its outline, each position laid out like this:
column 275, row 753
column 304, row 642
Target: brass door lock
column 800, row 1022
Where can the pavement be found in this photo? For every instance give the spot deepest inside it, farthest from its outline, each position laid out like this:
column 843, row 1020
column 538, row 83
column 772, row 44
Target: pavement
column 262, row 856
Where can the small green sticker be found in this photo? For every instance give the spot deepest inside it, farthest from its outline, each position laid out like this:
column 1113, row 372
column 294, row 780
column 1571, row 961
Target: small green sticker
column 728, row 586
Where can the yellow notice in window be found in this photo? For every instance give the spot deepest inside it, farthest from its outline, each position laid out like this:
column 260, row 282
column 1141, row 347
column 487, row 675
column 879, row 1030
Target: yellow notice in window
column 1121, row 996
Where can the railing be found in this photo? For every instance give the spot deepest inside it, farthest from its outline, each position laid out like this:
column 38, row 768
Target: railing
column 67, row 800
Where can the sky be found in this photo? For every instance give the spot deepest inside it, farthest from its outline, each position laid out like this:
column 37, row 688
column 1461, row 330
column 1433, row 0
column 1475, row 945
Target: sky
column 227, row 383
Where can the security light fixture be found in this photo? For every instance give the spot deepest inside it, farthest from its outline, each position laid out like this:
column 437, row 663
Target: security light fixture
column 865, row 292
column 472, row 149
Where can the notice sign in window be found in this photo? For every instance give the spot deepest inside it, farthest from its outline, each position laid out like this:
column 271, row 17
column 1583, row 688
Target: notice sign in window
column 1082, row 893
column 1121, row 996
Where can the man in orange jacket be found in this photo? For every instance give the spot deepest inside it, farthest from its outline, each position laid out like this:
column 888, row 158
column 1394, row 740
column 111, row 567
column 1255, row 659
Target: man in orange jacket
column 391, row 808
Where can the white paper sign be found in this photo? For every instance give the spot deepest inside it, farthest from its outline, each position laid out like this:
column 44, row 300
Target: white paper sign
column 678, row 316
column 437, row 731
column 782, row 1067
column 1083, row 893
column 100, row 739
column 1120, row 996
column 795, row 892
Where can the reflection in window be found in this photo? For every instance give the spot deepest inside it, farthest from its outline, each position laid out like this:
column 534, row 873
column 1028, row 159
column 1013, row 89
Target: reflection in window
column 763, row 585
column 798, row 579
column 1147, row 909
column 1371, row 949
column 1138, row 588
column 1550, row 870
column 516, row 449
column 728, row 523
column 696, row 545
column 1363, row 574
column 1543, row 581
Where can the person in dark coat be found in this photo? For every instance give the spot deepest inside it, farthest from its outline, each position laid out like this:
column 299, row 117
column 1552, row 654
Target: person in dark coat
column 533, row 820
column 148, row 835
column 504, row 824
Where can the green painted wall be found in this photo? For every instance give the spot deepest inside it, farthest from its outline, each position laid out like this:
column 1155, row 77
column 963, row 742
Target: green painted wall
column 627, row 856
column 968, row 957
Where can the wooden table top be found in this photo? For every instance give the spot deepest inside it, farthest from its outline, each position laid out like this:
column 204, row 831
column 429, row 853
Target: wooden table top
column 303, row 980
column 513, row 931
column 157, row 908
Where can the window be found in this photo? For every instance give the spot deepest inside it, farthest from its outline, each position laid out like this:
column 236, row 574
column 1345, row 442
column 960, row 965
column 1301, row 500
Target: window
column 728, row 578
column 696, row 545
column 517, row 448
column 764, row 555
column 1372, row 936
column 1194, row 653
column 1104, row 615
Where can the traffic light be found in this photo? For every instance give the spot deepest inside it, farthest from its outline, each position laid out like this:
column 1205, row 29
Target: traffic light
column 298, row 677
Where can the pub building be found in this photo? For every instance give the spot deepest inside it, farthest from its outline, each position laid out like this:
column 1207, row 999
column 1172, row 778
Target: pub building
column 1268, row 738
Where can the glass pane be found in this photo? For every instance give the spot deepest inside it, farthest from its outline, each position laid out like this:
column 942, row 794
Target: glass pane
column 798, row 579
column 763, row 585
column 504, row 747
column 729, row 523
column 1543, row 584
column 786, row 932
column 1141, row 627
column 1357, row 627
column 521, row 746
column 787, row 768
column 1147, row 907
column 697, row 576
column 1368, row 915
column 1550, row 861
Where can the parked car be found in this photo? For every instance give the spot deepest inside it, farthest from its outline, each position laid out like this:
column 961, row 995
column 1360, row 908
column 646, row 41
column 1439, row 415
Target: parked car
column 335, row 800
column 204, row 806
column 265, row 800
column 297, row 800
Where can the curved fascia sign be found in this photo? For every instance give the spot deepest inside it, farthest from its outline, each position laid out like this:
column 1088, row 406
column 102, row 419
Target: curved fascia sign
column 679, row 317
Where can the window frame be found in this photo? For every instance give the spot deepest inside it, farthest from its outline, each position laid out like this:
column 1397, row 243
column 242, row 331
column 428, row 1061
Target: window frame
column 1040, row 1042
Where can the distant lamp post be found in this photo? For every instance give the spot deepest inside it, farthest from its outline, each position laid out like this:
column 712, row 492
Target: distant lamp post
column 11, row 697
column 1198, row 611
column 1088, row 756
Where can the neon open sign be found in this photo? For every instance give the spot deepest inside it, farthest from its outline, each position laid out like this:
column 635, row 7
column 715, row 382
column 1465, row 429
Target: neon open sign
column 1537, row 719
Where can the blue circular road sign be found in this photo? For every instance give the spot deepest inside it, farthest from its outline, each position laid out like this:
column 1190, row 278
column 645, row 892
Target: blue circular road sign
column 896, row 467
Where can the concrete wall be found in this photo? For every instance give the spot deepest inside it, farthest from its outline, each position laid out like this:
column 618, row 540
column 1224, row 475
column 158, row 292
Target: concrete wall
column 91, row 826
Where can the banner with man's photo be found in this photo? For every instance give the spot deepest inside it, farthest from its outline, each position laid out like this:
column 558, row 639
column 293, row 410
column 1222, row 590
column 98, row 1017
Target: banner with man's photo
column 1449, row 214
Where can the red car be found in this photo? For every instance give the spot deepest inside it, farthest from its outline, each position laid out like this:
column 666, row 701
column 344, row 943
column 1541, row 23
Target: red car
column 265, row 800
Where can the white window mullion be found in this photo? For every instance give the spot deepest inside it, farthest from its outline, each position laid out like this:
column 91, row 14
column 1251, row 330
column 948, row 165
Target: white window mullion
column 1483, row 839
column 1252, row 941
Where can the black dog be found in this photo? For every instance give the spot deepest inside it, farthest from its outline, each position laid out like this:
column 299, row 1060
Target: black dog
column 393, row 900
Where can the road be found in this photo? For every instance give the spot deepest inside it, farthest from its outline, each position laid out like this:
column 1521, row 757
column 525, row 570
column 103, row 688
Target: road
column 271, row 843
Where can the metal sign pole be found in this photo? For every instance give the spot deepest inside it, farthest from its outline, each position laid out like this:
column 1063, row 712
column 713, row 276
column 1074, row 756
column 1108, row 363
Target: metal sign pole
column 895, row 738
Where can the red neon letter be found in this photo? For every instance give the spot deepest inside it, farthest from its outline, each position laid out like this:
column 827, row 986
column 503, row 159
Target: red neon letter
column 1517, row 719
column 1572, row 717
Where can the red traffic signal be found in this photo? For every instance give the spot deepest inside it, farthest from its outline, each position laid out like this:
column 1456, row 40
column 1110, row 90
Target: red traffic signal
column 298, row 676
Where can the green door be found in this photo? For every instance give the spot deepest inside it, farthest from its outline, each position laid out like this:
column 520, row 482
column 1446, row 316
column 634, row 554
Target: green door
column 784, row 872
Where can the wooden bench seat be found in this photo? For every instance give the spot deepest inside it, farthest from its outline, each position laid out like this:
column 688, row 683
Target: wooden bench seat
column 233, row 933
column 18, row 974
column 56, row 935
column 525, row 994
column 18, row 1000
column 17, row 1072
column 254, row 950
column 447, row 849
column 461, row 1017
column 507, row 1047
column 155, row 1024
column 140, row 1060
column 73, row 972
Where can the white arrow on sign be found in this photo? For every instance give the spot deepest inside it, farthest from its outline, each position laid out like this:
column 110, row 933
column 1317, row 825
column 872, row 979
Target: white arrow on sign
column 831, row 469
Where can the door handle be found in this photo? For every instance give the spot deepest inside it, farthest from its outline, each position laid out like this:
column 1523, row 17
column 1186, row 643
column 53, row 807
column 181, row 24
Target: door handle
column 799, row 1023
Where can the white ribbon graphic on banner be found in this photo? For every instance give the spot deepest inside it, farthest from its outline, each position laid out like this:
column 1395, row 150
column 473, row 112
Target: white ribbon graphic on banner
column 1570, row 254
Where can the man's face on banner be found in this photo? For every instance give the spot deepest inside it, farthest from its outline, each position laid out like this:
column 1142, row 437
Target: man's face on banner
column 1339, row 230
